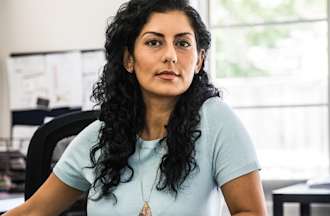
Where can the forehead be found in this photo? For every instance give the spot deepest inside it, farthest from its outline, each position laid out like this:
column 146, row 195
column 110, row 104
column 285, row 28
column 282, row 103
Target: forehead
column 168, row 22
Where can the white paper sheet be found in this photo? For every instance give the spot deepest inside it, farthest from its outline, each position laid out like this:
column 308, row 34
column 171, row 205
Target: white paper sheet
column 65, row 74
column 93, row 62
column 27, row 81
column 92, row 66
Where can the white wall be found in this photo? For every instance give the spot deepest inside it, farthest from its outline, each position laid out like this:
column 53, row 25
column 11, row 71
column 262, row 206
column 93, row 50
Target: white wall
column 47, row 25
column 4, row 113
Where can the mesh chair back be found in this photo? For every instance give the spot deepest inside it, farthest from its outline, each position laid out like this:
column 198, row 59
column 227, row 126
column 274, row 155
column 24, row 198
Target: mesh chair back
column 40, row 152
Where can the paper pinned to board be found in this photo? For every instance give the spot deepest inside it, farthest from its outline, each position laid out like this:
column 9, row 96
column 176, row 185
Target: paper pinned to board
column 92, row 62
column 92, row 67
column 27, row 81
column 65, row 75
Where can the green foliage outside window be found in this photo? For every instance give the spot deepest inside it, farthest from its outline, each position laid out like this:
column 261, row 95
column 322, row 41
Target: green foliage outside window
column 233, row 45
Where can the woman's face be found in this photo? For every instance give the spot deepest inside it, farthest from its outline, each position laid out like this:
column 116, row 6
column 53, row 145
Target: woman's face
column 165, row 55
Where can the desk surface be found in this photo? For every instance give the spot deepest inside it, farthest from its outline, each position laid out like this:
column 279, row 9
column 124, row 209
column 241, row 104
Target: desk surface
column 300, row 193
column 10, row 200
column 302, row 189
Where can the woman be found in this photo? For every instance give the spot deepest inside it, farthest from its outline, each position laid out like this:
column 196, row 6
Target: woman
column 165, row 142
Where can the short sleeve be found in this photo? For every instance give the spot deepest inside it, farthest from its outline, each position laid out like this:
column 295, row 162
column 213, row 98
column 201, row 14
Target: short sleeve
column 233, row 153
column 72, row 168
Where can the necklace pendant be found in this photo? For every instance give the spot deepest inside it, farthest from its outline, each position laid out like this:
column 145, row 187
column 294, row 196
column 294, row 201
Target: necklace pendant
column 146, row 210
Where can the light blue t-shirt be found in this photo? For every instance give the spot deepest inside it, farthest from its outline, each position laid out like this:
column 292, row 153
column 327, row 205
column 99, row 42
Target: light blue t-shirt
column 223, row 152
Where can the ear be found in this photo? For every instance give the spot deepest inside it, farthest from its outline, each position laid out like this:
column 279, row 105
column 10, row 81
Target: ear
column 128, row 61
column 200, row 60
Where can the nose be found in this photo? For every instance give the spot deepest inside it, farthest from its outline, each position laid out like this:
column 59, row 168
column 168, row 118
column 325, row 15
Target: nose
column 169, row 55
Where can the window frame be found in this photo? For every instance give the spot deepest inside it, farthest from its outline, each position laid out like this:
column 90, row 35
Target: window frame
column 205, row 11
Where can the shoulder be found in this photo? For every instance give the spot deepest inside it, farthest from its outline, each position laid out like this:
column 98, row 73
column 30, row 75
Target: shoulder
column 71, row 168
column 215, row 104
column 88, row 136
column 229, row 145
column 220, row 123
column 216, row 112
column 92, row 129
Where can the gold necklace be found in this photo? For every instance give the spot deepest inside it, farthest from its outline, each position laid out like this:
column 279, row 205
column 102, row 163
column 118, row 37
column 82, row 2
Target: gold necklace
column 145, row 210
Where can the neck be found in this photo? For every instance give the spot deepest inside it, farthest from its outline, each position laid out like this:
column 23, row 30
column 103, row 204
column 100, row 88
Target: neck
column 158, row 112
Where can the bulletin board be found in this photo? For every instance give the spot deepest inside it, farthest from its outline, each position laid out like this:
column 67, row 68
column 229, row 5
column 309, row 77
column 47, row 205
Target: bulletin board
column 53, row 79
column 43, row 85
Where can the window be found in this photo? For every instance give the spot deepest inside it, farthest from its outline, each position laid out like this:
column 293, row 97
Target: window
column 270, row 58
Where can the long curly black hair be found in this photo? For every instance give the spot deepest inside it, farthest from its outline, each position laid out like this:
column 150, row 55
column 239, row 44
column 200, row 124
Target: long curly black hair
column 123, row 110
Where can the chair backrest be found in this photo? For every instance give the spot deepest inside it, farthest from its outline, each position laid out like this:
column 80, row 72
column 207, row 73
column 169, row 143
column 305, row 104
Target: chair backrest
column 44, row 141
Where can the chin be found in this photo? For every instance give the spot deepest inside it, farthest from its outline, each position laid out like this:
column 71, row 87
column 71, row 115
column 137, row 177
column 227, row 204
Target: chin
column 169, row 93
column 165, row 91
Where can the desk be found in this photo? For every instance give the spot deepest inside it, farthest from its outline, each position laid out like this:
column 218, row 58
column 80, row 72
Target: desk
column 299, row 193
column 10, row 200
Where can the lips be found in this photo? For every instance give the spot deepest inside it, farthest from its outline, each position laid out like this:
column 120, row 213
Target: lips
column 167, row 75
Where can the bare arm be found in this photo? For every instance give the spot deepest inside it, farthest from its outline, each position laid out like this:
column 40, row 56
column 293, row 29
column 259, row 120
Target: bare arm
column 51, row 199
column 244, row 196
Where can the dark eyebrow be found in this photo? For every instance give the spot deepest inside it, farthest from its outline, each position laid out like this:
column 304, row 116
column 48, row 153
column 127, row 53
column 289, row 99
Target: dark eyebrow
column 162, row 35
column 183, row 34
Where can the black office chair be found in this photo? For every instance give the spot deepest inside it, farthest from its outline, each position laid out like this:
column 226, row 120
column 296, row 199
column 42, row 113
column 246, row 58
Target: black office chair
column 40, row 160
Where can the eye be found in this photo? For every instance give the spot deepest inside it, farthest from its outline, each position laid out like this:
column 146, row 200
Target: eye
column 183, row 43
column 153, row 43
